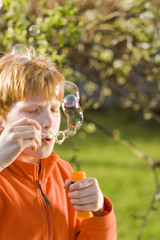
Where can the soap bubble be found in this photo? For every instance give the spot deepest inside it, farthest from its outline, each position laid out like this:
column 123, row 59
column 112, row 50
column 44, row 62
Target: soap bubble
column 75, row 116
column 68, row 88
column 19, row 49
column 60, row 137
column 1, row 4
column 21, row 54
column 34, row 30
column 70, row 106
column 70, row 101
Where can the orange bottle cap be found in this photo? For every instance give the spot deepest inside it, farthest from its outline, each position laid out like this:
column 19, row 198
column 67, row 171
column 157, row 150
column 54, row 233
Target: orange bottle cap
column 76, row 176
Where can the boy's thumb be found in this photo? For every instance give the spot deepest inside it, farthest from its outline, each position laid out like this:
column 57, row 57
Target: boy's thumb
column 67, row 183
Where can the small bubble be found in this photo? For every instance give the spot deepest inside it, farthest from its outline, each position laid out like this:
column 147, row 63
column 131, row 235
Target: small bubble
column 21, row 54
column 60, row 137
column 1, row 4
column 70, row 101
column 18, row 49
column 72, row 133
column 34, row 30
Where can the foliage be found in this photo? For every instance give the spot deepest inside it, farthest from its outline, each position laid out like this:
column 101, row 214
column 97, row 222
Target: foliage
column 116, row 54
column 59, row 28
column 122, row 52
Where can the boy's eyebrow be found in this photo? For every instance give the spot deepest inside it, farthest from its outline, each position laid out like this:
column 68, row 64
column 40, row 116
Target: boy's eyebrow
column 34, row 104
column 38, row 104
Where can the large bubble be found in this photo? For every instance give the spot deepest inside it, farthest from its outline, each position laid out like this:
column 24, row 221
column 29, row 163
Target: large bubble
column 71, row 108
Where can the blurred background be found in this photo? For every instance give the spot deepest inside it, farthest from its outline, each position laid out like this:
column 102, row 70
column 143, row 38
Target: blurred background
column 111, row 50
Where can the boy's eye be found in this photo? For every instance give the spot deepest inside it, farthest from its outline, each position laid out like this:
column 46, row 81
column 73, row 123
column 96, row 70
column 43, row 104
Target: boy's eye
column 34, row 111
column 54, row 109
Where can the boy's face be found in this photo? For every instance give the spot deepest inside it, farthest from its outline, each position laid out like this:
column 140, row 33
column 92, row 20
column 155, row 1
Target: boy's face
column 46, row 113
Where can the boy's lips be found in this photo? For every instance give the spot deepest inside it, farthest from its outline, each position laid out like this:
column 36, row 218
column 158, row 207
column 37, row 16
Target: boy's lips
column 47, row 141
column 46, row 138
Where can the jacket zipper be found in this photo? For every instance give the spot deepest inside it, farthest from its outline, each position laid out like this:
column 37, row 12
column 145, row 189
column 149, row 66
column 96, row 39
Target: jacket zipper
column 44, row 196
column 46, row 203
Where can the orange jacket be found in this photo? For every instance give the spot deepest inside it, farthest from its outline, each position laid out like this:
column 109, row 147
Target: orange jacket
column 25, row 214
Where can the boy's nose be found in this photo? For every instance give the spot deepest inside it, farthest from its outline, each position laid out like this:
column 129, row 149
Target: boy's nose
column 46, row 120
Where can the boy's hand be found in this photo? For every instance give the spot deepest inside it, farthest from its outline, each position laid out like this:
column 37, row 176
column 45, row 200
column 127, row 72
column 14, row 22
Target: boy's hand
column 86, row 195
column 15, row 137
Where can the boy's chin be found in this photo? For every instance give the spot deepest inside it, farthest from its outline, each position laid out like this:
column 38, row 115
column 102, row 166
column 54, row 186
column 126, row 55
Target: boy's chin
column 39, row 153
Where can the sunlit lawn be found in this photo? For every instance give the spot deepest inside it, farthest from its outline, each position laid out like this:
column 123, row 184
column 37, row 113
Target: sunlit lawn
column 125, row 178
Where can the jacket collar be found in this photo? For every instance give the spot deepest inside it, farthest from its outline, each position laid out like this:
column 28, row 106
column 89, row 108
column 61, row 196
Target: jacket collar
column 31, row 170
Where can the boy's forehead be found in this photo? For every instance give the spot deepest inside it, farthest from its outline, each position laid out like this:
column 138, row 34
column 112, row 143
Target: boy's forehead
column 37, row 102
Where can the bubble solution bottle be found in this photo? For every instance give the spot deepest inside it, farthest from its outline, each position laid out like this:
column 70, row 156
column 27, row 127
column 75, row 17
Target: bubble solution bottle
column 75, row 177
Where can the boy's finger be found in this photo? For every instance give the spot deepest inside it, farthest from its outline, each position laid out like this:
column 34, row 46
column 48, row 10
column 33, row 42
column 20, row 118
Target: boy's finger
column 28, row 121
column 83, row 184
column 67, row 183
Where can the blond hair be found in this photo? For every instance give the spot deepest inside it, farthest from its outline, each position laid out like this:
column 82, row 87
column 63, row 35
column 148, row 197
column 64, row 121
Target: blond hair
column 21, row 76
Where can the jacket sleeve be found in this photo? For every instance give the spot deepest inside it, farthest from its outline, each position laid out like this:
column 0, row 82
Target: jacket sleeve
column 103, row 227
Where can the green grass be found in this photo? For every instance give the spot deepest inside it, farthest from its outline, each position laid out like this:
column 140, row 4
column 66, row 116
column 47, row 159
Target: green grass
column 123, row 177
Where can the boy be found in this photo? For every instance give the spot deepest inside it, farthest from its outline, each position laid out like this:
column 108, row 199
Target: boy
column 37, row 199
